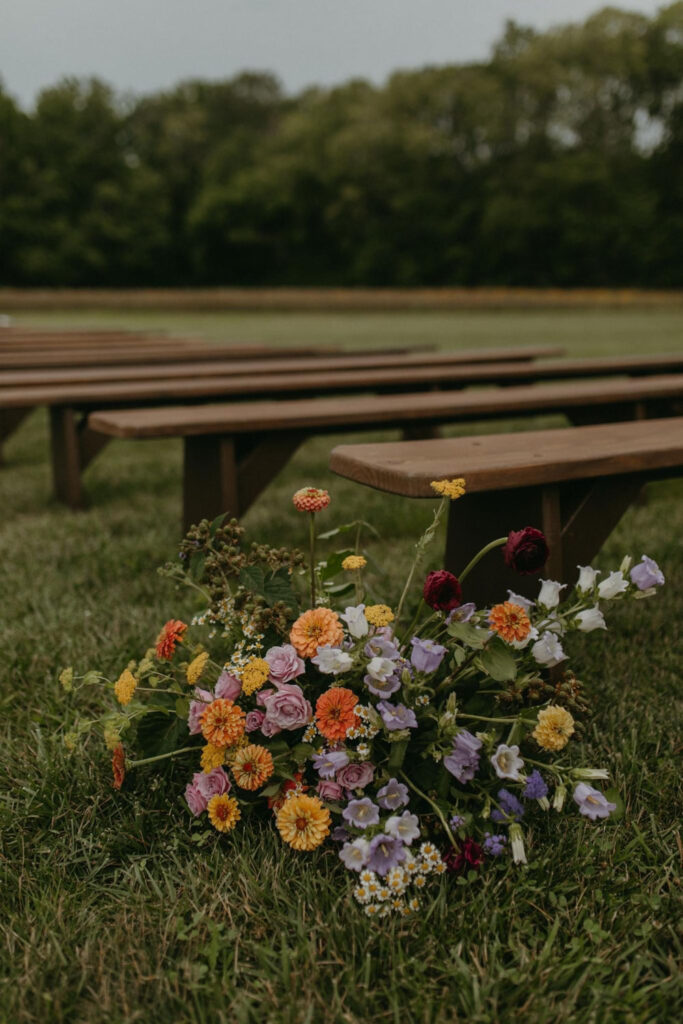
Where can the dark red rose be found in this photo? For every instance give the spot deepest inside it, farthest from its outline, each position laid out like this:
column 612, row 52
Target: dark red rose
column 526, row 550
column 469, row 856
column 442, row 590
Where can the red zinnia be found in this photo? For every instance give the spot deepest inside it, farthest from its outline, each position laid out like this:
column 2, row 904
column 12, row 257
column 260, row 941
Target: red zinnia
column 170, row 635
column 442, row 590
column 526, row 551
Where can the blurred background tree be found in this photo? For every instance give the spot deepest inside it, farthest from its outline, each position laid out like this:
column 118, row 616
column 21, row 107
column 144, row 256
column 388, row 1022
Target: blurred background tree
column 556, row 162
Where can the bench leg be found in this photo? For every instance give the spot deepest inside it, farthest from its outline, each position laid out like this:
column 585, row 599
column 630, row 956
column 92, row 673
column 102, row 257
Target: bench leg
column 9, row 421
column 66, row 460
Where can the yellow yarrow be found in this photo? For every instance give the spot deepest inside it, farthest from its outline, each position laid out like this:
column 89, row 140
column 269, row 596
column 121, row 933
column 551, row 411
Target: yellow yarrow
column 449, row 488
column 352, row 562
column 66, row 678
column 112, row 736
column 196, row 667
column 379, row 614
column 555, row 726
column 125, row 687
column 212, row 757
column 224, row 812
column 254, row 675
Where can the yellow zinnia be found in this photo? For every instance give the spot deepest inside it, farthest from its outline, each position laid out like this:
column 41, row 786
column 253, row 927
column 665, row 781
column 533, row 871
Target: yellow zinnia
column 254, row 675
column 303, row 821
column 124, row 687
column 196, row 667
column 224, row 812
column 449, row 488
column 555, row 726
column 379, row 614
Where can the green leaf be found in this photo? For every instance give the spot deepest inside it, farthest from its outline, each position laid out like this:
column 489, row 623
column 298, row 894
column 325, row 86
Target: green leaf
column 471, row 636
column 182, row 707
column 339, row 589
column 278, row 587
column 346, row 527
column 498, row 661
column 160, row 733
column 333, row 565
column 253, row 579
column 302, row 751
column 271, row 789
column 216, row 524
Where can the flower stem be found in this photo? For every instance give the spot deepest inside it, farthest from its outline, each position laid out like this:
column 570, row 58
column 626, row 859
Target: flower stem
column 160, row 757
column 436, row 807
column 424, row 540
column 480, row 554
column 311, row 537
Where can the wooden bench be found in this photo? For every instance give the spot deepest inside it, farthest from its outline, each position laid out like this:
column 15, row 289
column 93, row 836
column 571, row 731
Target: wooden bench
column 66, row 401
column 574, row 484
column 233, row 451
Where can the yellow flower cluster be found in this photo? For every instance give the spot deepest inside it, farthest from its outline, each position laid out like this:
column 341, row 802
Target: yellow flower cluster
column 196, row 667
column 352, row 562
column 125, row 687
column 379, row 614
column 66, row 678
column 224, row 812
column 212, row 757
column 449, row 488
column 254, row 674
column 112, row 736
column 555, row 726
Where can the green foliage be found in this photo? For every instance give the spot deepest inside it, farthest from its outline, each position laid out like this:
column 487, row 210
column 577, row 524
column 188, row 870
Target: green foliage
column 554, row 162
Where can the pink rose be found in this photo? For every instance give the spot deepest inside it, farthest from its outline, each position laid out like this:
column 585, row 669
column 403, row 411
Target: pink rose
column 196, row 709
column 213, row 783
column 263, row 695
column 288, row 708
column 195, row 800
column 285, row 664
column 329, row 790
column 254, row 721
column 269, row 728
column 228, row 686
column 355, row 776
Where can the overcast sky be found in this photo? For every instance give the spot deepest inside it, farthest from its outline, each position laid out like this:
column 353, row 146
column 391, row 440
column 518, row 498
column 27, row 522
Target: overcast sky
column 142, row 45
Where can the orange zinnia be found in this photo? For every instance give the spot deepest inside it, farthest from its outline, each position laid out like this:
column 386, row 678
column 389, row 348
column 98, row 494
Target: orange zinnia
column 335, row 712
column 118, row 766
column 222, row 723
column 251, row 766
column 170, row 635
column 509, row 621
column 316, row 628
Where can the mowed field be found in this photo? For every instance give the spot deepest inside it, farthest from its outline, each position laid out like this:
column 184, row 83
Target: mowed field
column 120, row 908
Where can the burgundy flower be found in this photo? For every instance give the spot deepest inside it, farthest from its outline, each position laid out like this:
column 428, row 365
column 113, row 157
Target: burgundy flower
column 470, row 855
column 442, row 590
column 526, row 550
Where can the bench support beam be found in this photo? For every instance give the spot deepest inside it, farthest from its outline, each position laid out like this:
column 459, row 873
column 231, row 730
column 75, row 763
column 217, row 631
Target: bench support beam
column 73, row 446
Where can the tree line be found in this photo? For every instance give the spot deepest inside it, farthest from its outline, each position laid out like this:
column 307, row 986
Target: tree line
column 555, row 162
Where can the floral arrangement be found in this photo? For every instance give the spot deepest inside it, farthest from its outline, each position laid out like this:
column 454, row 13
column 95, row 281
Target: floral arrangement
column 417, row 747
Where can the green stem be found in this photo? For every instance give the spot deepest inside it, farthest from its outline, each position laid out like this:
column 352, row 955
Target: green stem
column 480, row 718
column 311, row 537
column 478, row 557
column 436, row 807
column 424, row 540
column 160, row 757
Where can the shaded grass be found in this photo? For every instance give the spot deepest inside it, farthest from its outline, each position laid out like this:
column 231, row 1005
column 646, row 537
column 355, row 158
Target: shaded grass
column 118, row 908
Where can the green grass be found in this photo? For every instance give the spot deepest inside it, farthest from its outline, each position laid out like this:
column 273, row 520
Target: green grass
column 117, row 908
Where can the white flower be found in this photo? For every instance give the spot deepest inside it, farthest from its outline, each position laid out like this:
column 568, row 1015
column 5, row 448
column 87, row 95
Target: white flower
column 523, row 602
column 507, row 762
column 548, row 650
column 381, row 669
column 587, row 577
column 559, row 797
column 517, row 842
column 613, row 585
column 590, row 619
column 403, row 826
column 549, row 596
column 355, row 854
column 519, row 645
column 332, row 661
column 354, row 617
column 590, row 773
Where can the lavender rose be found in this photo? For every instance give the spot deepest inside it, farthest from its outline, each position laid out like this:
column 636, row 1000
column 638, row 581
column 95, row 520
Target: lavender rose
column 228, row 687
column 355, row 776
column 285, row 664
column 253, row 721
column 329, row 790
column 197, row 707
column 204, row 785
column 287, row 708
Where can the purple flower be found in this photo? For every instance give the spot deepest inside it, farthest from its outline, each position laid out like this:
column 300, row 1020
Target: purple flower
column 463, row 761
column 197, row 707
column 385, row 853
column 329, row 762
column 405, row 827
column 340, row 834
column 285, row 664
column 494, row 845
column 511, row 808
column 382, row 685
column 253, row 721
column 426, row 656
column 361, row 813
column 381, row 647
column 462, row 614
column 228, row 687
column 355, row 854
column 457, row 820
column 396, row 716
column 393, row 795
column 536, row 787
column 592, row 803
column 287, row 708
column 356, row 776
column 647, row 574
column 328, row 790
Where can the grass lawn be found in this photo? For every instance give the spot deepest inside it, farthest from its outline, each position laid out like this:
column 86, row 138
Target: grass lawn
column 118, row 907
